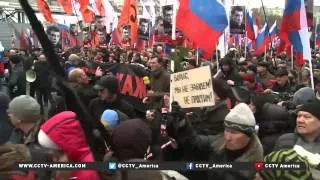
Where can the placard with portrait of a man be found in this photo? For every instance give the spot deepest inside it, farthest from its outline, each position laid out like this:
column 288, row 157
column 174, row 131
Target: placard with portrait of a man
column 237, row 20
column 126, row 33
column 54, row 35
column 167, row 12
column 144, row 29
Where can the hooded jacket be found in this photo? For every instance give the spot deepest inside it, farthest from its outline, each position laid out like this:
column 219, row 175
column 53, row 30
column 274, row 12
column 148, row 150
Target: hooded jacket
column 66, row 132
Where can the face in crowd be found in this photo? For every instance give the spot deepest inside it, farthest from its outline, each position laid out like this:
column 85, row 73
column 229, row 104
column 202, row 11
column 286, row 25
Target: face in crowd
column 237, row 17
column 261, row 69
column 226, row 68
column 282, row 80
column 155, row 64
column 235, row 140
column 307, row 124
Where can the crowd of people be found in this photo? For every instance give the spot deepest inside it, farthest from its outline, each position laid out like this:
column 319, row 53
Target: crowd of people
column 264, row 111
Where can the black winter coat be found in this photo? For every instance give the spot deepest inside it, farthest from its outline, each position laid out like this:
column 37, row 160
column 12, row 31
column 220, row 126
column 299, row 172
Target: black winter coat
column 210, row 120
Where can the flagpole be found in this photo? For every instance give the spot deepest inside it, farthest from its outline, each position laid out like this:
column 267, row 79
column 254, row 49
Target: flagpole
column 173, row 35
column 245, row 46
column 311, row 73
column 292, row 63
column 217, row 58
column 265, row 53
column 265, row 17
column 197, row 54
column 315, row 34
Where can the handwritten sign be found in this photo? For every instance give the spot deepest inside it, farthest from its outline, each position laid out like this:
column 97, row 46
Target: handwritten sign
column 192, row 88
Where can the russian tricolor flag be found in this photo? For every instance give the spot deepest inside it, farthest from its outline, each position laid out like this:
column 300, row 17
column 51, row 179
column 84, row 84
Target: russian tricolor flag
column 250, row 27
column 295, row 26
column 202, row 22
column 273, row 30
column 262, row 40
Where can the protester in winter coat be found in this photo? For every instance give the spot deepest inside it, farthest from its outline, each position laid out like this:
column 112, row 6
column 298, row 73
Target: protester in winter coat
column 229, row 72
column 282, row 85
column 111, row 119
column 80, row 82
column 24, row 115
column 251, row 83
column 63, row 136
column 131, row 139
column 264, row 75
column 238, row 143
column 306, row 139
column 43, row 82
column 109, row 98
column 210, row 120
column 159, row 82
column 5, row 126
column 10, row 154
column 17, row 78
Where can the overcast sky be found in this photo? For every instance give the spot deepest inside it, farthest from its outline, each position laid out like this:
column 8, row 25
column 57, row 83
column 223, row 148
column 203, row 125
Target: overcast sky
column 267, row 3
column 257, row 3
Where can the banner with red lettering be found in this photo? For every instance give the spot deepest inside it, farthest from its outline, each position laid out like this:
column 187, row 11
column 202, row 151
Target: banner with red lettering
column 130, row 79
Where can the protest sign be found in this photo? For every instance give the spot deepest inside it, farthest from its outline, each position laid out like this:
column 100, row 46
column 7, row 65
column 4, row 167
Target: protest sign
column 192, row 88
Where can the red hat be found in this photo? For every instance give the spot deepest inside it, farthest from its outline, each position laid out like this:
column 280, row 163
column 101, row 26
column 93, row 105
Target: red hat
column 249, row 78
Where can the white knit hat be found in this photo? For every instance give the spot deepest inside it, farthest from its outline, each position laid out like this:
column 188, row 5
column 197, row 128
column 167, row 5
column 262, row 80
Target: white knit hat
column 46, row 142
column 241, row 118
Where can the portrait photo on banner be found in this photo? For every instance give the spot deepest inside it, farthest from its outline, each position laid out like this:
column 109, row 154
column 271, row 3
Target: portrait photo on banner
column 167, row 12
column 54, row 35
column 144, row 28
column 126, row 33
column 237, row 20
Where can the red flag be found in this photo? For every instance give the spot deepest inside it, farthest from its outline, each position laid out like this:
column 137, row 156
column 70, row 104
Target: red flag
column 129, row 18
column 45, row 10
column 100, row 7
column 299, row 60
column 87, row 14
column 66, row 5
column 23, row 41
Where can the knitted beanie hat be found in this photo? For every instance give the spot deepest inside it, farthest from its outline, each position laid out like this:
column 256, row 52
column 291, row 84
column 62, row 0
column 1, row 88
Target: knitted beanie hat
column 25, row 108
column 241, row 118
column 312, row 108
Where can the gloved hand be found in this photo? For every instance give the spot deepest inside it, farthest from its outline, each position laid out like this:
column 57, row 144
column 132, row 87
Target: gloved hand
column 176, row 111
